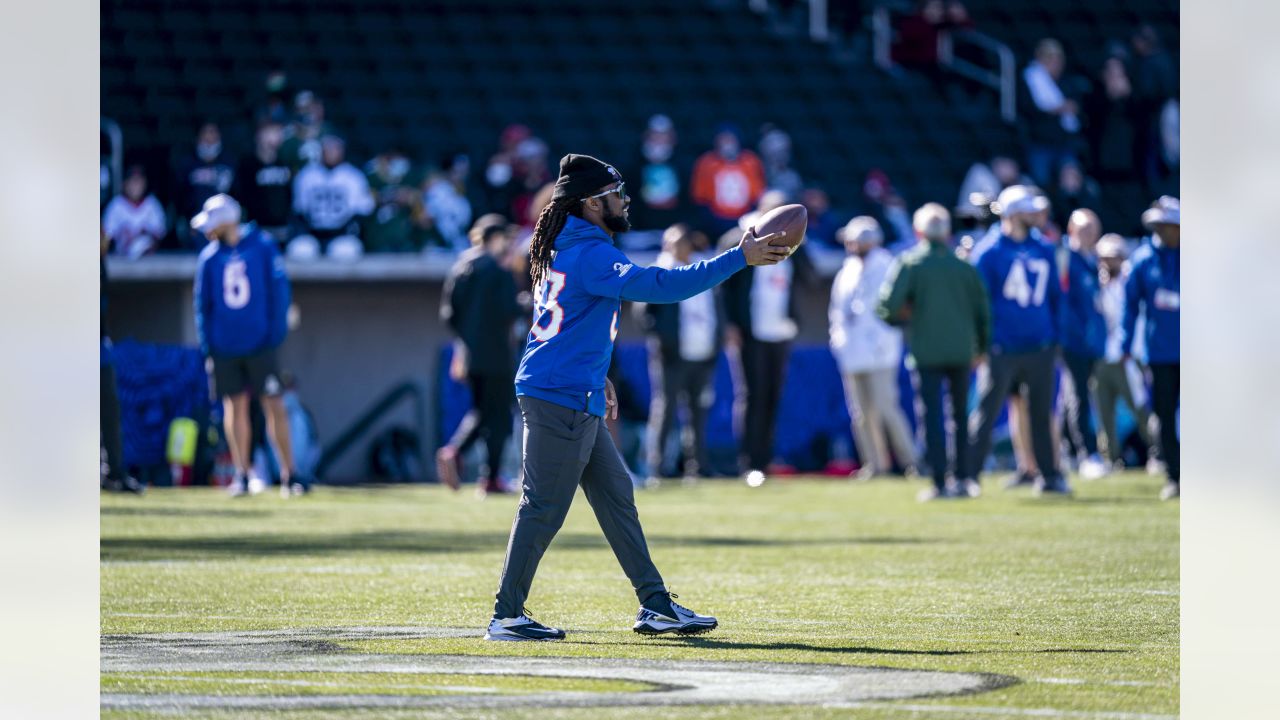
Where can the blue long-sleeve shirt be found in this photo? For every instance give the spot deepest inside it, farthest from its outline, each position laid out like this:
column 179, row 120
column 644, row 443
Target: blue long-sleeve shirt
column 567, row 354
column 1154, row 289
column 1084, row 330
column 242, row 296
column 1025, row 293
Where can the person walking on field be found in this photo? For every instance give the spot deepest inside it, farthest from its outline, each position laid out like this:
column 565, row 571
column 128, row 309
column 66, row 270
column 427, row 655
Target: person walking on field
column 1154, row 290
column 480, row 306
column 869, row 351
column 1084, row 333
column 943, row 303
column 580, row 279
column 242, row 298
column 1025, row 295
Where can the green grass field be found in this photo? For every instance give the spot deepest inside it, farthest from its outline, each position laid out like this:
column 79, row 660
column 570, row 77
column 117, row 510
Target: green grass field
column 1077, row 598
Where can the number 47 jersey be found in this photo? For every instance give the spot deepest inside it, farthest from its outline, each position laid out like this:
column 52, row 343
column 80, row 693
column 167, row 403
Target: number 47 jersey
column 571, row 342
column 1022, row 282
column 242, row 296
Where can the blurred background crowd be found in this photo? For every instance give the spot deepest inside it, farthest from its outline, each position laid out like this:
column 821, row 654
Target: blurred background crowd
column 350, row 130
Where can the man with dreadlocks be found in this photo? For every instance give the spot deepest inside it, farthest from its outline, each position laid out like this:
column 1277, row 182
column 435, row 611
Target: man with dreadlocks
column 580, row 279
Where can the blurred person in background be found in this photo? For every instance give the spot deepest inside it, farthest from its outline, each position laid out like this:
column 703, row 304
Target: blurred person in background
column 659, row 202
column 501, row 184
column 727, row 181
column 989, row 178
column 206, row 172
column 114, row 476
column 1114, row 376
column 943, row 302
column 302, row 144
column 397, row 201
column 1153, row 289
column 1052, row 119
column 479, row 306
column 1084, row 333
column 275, row 103
column 445, row 199
column 330, row 197
column 1155, row 87
column 134, row 221
column 887, row 207
column 1018, row 272
column 684, row 340
column 531, row 172
column 1073, row 190
column 918, row 35
column 868, row 352
column 264, row 182
column 761, row 324
column 1113, row 117
column 823, row 223
column 775, row 154
column 242, row 298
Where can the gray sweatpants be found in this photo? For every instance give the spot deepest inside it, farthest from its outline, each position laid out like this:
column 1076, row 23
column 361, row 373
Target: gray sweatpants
column 562, row 449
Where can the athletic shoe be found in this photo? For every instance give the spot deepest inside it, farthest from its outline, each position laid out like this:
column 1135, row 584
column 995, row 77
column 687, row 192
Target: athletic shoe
column 947, row 492
column 1019, row 479
column 492, row 486
column 256, row 484
column 239, row 486
column 295, row 488
column 1093, row 468
column 447, row 467
column 1171, row 491
column 970, row 488
column 126, row 485
column 1056, row 486
column 1155, row 466
column 521, row 628
column 669, row 616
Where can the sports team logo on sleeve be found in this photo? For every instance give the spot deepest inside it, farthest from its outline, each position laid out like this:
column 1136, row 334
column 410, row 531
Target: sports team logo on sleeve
column 622, row 269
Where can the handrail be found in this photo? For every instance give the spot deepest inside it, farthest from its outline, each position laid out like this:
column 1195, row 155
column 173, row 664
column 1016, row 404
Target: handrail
column 338, row 447
column 818, row 29
column 112, row 129
column 1001, row 78
column 881, row 37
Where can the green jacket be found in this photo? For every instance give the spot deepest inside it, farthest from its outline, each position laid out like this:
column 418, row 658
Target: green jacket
column 943, row 303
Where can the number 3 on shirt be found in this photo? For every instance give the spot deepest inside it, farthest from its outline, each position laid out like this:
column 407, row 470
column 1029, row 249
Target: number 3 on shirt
column 1017, row 288
column 550, row 303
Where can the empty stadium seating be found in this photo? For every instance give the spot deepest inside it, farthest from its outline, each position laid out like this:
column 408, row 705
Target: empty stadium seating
column 439, row 75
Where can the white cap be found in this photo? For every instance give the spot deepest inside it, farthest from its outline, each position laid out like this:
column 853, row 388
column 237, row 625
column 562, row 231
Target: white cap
column 1165, row 211
column 1018, row 200
column 219, row 210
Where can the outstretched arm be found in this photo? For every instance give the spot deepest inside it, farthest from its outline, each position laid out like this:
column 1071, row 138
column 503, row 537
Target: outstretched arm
column 608, row 273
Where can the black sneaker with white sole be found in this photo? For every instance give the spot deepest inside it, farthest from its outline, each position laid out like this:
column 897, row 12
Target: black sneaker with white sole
column 663, row 615
column 521, row 628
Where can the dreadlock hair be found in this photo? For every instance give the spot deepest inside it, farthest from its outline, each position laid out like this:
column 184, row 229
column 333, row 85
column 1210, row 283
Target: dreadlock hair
column 550, row 222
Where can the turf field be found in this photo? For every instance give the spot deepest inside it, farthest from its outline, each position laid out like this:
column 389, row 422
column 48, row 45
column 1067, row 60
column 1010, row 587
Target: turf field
column 1071, row 606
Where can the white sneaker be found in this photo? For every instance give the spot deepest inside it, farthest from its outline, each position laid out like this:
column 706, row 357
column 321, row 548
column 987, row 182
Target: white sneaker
column 1155, row 466
column 256, row 485
column 239, row 486
column 1093, row 468
column 521, row 628
column 685, row 622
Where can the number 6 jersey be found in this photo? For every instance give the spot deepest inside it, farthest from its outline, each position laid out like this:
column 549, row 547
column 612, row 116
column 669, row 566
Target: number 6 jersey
column 576, row 320
column 242, row 296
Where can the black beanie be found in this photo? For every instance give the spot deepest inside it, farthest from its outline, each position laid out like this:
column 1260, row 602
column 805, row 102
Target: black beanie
column 582, row 175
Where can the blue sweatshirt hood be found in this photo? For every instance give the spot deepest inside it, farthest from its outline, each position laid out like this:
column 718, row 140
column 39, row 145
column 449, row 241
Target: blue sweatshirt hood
column 578, row 231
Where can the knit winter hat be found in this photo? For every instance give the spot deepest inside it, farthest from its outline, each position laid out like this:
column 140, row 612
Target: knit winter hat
column 583, row 175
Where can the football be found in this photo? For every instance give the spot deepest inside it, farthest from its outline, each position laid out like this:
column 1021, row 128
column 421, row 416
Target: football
column 790, row 220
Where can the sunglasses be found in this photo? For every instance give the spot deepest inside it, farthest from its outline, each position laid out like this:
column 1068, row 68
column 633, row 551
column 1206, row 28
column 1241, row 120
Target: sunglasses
column 621, row 190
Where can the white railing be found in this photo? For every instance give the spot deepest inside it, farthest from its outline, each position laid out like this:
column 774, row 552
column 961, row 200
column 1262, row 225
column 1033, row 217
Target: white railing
column 1001, row 77
column 818, row 26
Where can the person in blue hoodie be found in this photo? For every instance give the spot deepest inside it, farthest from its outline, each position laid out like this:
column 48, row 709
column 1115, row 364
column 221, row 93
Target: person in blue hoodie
column 1022, row 285
column 242, row 298
column 1084, row 332
column 579, row 279
column 1153, row 289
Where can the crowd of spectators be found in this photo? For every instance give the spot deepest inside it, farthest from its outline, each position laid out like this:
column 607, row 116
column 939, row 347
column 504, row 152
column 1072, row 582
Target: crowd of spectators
column 1084, row 137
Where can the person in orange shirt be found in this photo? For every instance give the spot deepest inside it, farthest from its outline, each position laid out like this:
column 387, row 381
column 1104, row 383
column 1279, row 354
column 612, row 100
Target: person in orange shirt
column 727, row 181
